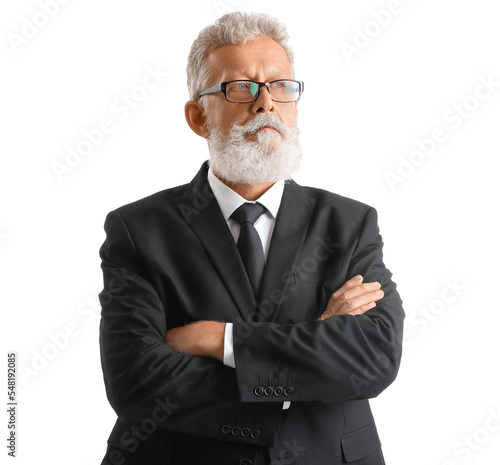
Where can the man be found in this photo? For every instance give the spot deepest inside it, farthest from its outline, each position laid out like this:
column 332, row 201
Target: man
column 245, row 319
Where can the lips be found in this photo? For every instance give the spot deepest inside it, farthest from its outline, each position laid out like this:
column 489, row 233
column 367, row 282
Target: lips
column 262, row 122
column 267, row 128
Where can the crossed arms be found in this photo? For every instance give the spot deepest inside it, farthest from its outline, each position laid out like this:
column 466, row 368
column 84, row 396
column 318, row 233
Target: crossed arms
column 206, row 338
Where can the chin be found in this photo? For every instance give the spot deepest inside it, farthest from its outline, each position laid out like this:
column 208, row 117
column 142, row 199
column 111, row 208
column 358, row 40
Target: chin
column 268, row 135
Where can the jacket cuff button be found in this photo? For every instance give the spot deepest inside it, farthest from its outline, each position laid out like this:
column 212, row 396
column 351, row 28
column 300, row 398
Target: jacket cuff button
column 289, row 391
column 258, row 391
column 268, row 391
column 278, row 391
column 245, row 432
column 236, row 430
column 255, row 433
column 226, row 429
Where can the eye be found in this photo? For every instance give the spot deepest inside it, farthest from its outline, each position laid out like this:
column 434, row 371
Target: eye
column 240, row 86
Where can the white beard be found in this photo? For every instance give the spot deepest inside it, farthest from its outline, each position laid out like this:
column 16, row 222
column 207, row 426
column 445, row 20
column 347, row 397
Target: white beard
column 272, row 157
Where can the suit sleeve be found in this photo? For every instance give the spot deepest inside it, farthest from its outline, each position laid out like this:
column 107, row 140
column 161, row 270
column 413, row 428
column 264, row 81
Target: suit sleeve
column 341, row 358
column 144, row 377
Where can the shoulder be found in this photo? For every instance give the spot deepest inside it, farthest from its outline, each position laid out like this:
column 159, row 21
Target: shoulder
column 157, row 205
column 165, row 202
column 326, row 200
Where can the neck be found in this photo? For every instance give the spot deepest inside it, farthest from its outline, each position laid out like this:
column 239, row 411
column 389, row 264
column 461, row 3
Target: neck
column 249, row 192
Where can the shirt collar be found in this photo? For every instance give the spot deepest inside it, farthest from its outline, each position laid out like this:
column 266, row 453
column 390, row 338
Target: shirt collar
column 229, row 200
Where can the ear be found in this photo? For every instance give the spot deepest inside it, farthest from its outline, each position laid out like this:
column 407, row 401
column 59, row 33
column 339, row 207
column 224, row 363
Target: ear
column 196, row 118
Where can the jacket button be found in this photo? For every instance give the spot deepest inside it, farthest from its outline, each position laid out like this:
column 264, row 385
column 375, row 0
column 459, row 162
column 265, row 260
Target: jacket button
column 245, row 432
column 226, row 429
column 289, row 391
column 255, row 433
column 278, row 391
column 246, row 462
column 258, row 391
column 236, row 431
column 268, row 391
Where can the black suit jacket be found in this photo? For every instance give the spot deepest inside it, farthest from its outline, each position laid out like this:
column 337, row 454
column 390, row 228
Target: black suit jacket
column 170, row 259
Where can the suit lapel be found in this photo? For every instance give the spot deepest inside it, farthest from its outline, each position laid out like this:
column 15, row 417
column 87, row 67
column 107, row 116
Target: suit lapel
column 292, row 224
column 201, row 211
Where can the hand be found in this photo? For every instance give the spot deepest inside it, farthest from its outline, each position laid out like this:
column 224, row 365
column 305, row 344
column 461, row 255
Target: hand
column 205, row 338
column 353, row 298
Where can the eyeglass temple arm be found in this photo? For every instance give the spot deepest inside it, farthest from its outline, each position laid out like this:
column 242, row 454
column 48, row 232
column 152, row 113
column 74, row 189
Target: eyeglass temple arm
column 212, row 90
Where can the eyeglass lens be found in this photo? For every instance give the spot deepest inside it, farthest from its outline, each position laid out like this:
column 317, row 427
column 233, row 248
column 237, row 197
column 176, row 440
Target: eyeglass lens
column 244, row 91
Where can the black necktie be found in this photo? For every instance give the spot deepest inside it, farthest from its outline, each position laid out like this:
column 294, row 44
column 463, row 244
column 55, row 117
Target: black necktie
column 249, row 243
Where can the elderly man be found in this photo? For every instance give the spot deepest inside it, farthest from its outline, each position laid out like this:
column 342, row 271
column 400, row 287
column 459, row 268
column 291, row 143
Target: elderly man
column 246, row 319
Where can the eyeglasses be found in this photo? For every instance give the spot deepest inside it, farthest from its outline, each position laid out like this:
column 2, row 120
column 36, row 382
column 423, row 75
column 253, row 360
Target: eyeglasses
column 246, row 91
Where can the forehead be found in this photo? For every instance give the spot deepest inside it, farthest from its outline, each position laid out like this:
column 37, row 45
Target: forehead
column 257, row 59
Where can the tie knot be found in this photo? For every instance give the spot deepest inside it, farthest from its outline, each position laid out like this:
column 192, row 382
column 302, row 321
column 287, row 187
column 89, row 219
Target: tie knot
column 248, row 212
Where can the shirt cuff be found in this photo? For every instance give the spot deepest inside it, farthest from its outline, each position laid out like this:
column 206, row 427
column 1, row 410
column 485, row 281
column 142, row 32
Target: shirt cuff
column 228, row 346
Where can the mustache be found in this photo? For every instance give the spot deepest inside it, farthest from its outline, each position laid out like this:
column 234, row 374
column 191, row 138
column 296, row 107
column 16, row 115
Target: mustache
column 259, row 121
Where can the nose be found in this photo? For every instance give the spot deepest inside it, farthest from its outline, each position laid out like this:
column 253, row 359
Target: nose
column 264, row 102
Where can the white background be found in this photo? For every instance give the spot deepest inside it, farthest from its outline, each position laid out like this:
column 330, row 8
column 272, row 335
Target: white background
column 360, row 116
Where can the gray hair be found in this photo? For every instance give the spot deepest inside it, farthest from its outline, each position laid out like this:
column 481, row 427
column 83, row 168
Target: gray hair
column 231, row 29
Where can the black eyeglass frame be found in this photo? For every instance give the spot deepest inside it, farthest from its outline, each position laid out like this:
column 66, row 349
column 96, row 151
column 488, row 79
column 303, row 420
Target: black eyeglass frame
column 223, row 86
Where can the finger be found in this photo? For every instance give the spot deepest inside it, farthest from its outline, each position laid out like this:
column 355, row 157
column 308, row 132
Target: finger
column 353, row 282
column 338, row 300
column 351, row 305
column 357, row 311
column 350, row 284
column 344, row 306
column 361, row 289
column 326, row 314
column 363, row 309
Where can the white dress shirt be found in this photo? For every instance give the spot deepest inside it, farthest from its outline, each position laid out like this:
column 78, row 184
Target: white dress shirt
column 229, row 201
